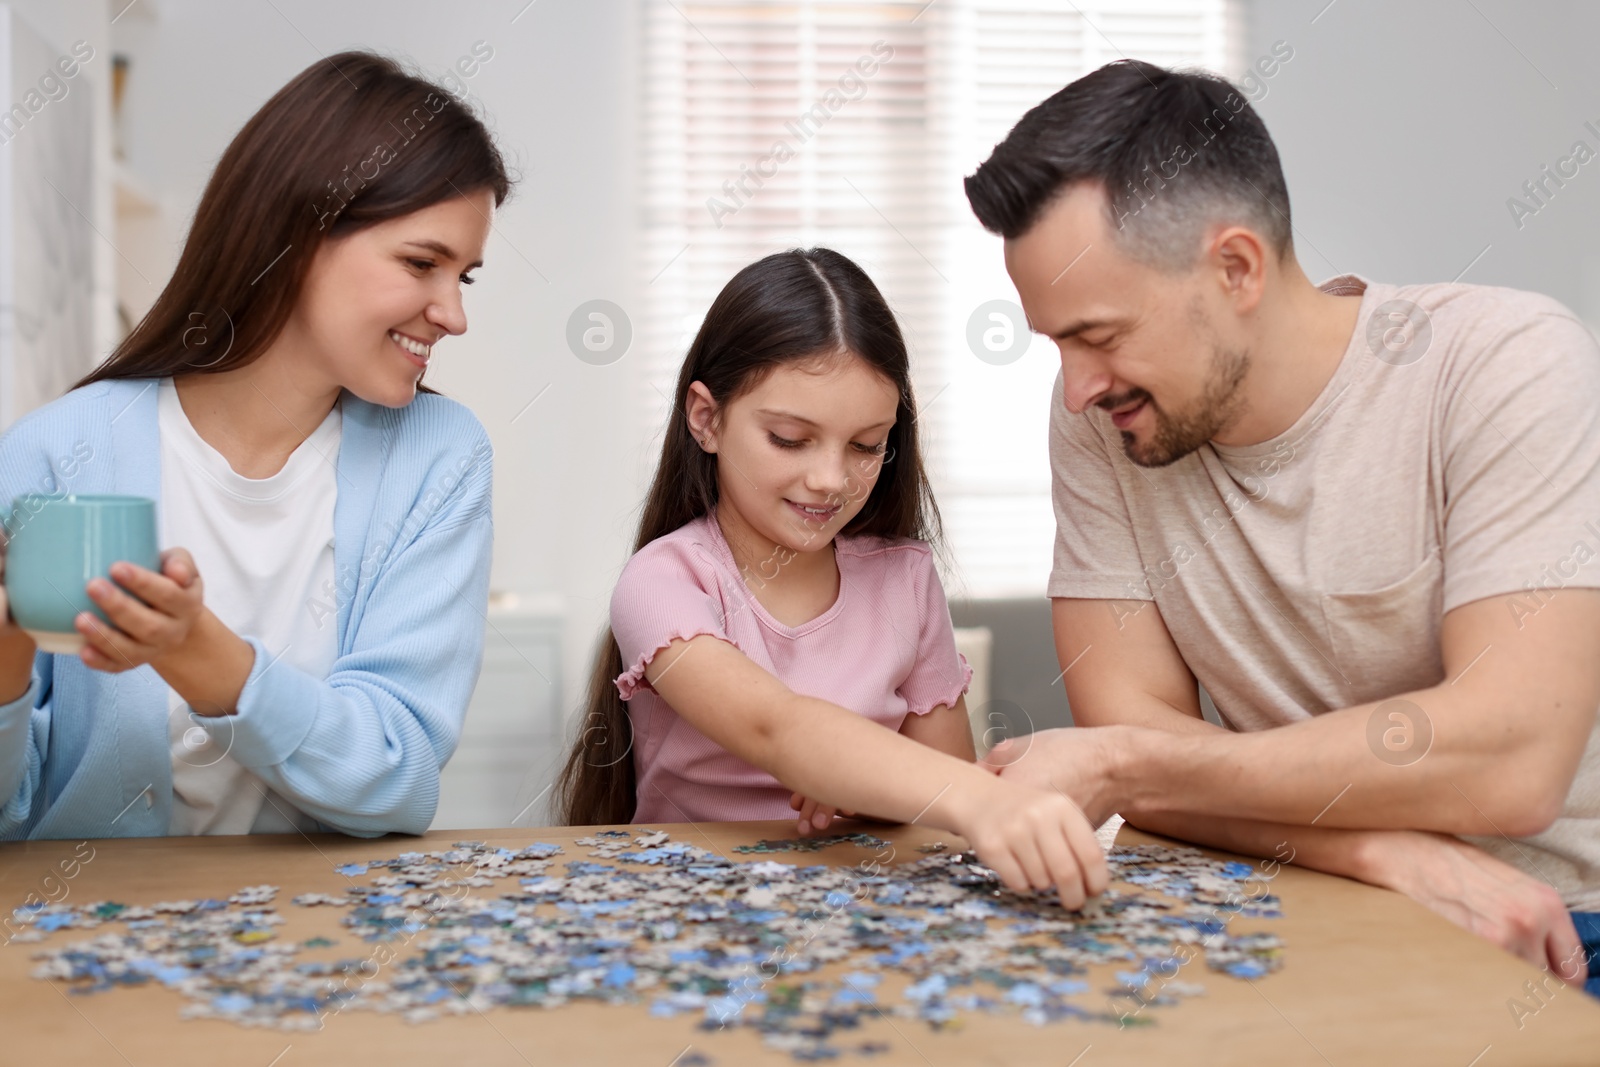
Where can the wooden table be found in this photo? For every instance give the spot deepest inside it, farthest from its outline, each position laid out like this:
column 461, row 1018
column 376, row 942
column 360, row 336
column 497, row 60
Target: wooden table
column 1370, row 978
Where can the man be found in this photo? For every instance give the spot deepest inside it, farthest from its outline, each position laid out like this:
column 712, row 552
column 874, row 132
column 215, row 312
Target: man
column 1360, row 515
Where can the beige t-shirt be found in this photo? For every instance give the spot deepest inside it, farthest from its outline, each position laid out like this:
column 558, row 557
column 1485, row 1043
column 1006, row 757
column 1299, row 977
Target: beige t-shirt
column 1454, row 455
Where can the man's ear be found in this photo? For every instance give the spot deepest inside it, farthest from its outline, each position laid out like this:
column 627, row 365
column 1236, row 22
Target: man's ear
column 1239, row 260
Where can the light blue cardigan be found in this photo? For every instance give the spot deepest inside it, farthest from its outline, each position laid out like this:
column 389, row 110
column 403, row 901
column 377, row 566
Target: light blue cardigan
column 85, row 754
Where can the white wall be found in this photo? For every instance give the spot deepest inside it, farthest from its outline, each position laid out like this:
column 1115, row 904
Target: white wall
column 560, row 95
column 62, row 23
column 1405, row 127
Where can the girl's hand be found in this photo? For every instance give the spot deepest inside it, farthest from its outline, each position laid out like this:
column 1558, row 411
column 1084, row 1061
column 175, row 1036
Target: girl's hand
column 1034, row 840
column 142, row 632
column 814, row 816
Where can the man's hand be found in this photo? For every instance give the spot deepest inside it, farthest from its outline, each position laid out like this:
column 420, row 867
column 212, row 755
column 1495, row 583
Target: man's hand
column 1075, row 762
column 1481, row 894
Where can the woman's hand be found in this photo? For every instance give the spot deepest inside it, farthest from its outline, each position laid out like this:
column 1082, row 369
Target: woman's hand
column 147, row 632
column 1034, row 839
column 814, row 816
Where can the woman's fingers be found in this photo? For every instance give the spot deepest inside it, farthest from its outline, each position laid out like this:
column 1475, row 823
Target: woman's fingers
column 178, row 565
column 166, row 594
column 96, row 660
column 139, row 622
column 105, row 645
column 795, row 800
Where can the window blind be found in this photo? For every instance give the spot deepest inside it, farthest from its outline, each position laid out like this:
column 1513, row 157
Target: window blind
column 814, row 122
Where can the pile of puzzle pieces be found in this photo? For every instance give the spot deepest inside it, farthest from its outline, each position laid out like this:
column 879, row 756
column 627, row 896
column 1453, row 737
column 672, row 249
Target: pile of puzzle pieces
column 804, row 954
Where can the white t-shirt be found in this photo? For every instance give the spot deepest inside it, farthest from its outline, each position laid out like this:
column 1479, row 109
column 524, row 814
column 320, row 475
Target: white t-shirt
column 264, row 547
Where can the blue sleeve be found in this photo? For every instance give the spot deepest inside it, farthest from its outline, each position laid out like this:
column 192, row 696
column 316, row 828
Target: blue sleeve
column 361, row 750
column 24, row 740
column 39, row 453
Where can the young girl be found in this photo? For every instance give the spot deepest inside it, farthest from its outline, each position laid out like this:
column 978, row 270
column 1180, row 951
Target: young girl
column 304, row 657
column 781, row 625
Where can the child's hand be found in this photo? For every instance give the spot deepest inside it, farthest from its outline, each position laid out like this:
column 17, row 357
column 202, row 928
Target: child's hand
column 1034, row 840
column 814, row 816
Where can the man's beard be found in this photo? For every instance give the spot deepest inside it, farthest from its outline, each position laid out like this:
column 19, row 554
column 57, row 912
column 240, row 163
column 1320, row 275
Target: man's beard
column 1178, row 434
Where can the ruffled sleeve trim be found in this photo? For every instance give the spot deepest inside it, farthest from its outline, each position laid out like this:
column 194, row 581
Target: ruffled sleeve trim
column 632, row 680
column 956, row 694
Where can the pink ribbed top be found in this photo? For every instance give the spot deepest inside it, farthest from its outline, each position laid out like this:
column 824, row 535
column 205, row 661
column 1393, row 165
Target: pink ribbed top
column 885, row 649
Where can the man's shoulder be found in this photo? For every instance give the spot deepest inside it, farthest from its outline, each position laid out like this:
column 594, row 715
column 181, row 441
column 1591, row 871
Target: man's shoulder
column 1472, row 322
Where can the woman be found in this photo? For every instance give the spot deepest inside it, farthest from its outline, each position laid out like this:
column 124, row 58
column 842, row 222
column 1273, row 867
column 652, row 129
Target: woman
column 305, row 655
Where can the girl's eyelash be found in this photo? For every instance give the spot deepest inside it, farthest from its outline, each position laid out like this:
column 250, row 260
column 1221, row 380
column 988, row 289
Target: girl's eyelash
column 467, row 279
column 784, row 442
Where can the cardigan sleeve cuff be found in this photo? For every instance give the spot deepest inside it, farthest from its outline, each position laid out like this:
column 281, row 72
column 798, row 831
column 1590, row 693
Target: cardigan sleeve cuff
column 276, row 710
column 20, row 710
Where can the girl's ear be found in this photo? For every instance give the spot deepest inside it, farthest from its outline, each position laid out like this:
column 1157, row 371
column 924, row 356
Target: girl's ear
column 701, row 411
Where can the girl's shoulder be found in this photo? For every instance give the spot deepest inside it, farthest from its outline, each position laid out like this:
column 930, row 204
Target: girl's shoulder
column 892, row 569
column 669, row 574
column 693, row 547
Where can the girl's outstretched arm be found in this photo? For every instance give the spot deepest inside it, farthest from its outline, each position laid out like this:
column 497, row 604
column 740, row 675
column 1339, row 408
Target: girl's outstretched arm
column 1031, row 838
column 945, row 728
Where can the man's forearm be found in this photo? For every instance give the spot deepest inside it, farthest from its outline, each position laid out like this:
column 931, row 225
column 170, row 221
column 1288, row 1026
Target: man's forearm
column 1349, row 853
column 1324, row 772
column 1341, row 852
column 1492, row 749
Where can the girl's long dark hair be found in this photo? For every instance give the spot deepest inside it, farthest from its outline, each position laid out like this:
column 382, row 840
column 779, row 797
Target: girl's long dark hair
column 353, row 140
column 794, row 306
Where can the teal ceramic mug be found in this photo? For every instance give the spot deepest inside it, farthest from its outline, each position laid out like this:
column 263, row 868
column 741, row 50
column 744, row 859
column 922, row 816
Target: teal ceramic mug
column 57, row 543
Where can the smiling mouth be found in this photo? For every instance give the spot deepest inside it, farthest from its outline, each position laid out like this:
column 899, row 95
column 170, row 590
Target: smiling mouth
column 816, row 513
column 412, row 347
column 1124, row 412
column 1124, row 416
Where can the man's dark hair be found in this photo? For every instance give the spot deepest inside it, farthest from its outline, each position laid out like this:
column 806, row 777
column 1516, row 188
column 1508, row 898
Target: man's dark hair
column 1175, row 150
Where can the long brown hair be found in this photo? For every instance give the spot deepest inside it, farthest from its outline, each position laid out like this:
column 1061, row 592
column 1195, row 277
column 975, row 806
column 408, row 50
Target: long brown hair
column 794, row 306
column 353, row 140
